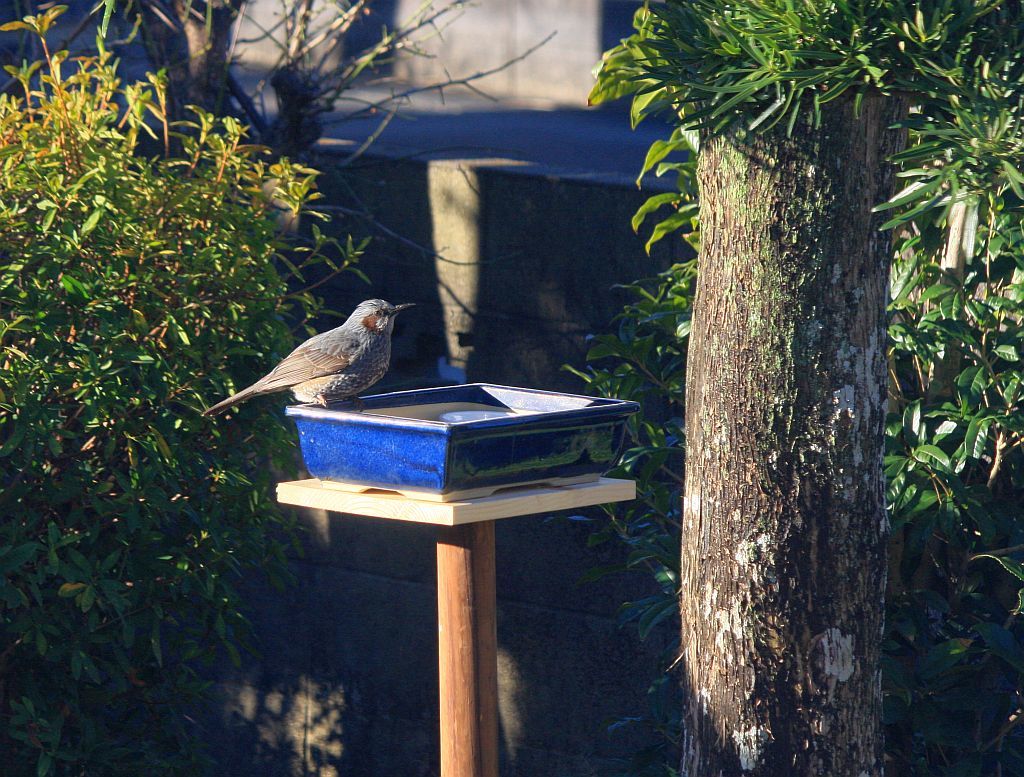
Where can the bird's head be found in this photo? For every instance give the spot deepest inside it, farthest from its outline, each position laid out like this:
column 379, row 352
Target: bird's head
column 376, row 315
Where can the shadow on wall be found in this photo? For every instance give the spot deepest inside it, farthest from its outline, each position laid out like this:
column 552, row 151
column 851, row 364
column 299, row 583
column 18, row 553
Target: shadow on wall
column 338, row 688
column 512, row 267
column 346, row 685
column 343, row 687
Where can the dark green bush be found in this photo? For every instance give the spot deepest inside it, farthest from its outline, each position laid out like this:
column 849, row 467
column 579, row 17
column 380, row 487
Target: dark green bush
column 954, row 650
column 133, row 292
column 644, row 360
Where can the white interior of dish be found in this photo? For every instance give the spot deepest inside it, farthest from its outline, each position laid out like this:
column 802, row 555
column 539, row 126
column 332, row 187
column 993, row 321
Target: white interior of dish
column 434, row 411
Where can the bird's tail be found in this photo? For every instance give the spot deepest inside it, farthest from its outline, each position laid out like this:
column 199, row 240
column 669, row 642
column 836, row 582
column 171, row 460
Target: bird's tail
column 234, row 399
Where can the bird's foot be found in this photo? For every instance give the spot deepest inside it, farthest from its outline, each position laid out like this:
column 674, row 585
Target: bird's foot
column 321, row 400
column 358, row 405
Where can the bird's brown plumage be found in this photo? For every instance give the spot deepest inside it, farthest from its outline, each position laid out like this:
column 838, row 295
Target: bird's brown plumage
column 353, row 350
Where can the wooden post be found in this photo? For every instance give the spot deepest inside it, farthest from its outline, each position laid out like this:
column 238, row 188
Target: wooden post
column 468, row 650
column 467, row 633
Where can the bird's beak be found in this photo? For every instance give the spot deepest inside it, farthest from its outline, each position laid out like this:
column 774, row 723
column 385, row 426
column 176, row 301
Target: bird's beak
column 399, row 308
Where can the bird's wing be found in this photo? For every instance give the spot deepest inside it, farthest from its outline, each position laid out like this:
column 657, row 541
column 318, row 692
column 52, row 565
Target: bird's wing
column 312, row 359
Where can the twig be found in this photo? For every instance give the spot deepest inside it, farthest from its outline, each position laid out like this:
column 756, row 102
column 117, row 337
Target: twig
column 328, row 277
column 999, row 552
column 463, row 81
column 246, row 104
column 997, row 462
column 1016, row 718
column 79, row 29
column 338, row 27
column 387, row 232
column 396, row 40
column 371, row 139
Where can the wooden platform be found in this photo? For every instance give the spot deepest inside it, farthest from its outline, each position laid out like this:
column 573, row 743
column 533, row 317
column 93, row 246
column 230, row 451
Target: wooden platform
column 521, row 500
column 459, row 496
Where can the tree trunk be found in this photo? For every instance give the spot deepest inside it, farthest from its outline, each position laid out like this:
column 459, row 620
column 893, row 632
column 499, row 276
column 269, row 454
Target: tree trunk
column 784, row 523
column 191, row 39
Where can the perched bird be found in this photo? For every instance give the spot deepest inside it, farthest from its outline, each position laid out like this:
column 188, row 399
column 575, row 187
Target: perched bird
column 334, row 365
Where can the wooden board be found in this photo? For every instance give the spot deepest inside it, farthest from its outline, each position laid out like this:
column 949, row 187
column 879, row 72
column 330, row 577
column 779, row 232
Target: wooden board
column 528, row 500
column 457, row 496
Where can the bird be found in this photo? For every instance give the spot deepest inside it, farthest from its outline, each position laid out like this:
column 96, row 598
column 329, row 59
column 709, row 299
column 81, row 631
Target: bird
column 334, row 365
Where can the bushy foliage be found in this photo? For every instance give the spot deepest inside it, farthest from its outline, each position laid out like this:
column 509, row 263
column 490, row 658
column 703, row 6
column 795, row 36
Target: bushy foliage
column 957, row 64
column 644, row 360
column 954, row 647
column 133, row 291
column 954, row 652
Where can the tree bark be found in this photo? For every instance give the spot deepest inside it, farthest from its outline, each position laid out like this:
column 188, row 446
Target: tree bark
column 191, row 39
column 784, row 522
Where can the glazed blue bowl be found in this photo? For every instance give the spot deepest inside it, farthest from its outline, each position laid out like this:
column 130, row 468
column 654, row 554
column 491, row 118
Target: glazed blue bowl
column 460, row 439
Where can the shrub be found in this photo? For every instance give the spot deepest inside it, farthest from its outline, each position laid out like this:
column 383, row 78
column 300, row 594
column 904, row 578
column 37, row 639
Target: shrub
column 953, row 670
column 644, row 360
column 133, row 291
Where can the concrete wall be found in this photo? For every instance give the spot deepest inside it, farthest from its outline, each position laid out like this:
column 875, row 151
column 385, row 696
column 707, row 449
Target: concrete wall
column 482, row 36
column 512, row 265
column 347, row 681
column 494, row 32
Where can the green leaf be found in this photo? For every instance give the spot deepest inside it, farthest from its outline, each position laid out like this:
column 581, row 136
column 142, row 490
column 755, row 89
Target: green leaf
column 976, row 437
column 655, row 614
column 658, row 150
column 87, row 599
column 1007, row 352
column 74, row 286
column 943, row 657
column 674, row 223
column 971, row 384
column 108, row 9
column 645, row 104
column 68, row 590
column 1014, row 179
column 931, row 455
column 12, row 558
column 1015, row 568
column 47, row 221
column 1002, row 643
column 651, row 205
column 92, row 221
column 916, row 191
column 912, row 428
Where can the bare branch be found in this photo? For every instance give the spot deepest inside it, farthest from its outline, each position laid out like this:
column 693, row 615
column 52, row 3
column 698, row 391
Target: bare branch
column 367, row 217
column 245, row 102
column 372, row 138
column 464, row 81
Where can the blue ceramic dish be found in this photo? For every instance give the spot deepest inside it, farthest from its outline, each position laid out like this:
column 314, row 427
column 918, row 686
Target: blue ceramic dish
column 540, row 436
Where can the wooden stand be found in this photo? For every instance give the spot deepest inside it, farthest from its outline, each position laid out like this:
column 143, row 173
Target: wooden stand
column 466, row 600
column 467, row 633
